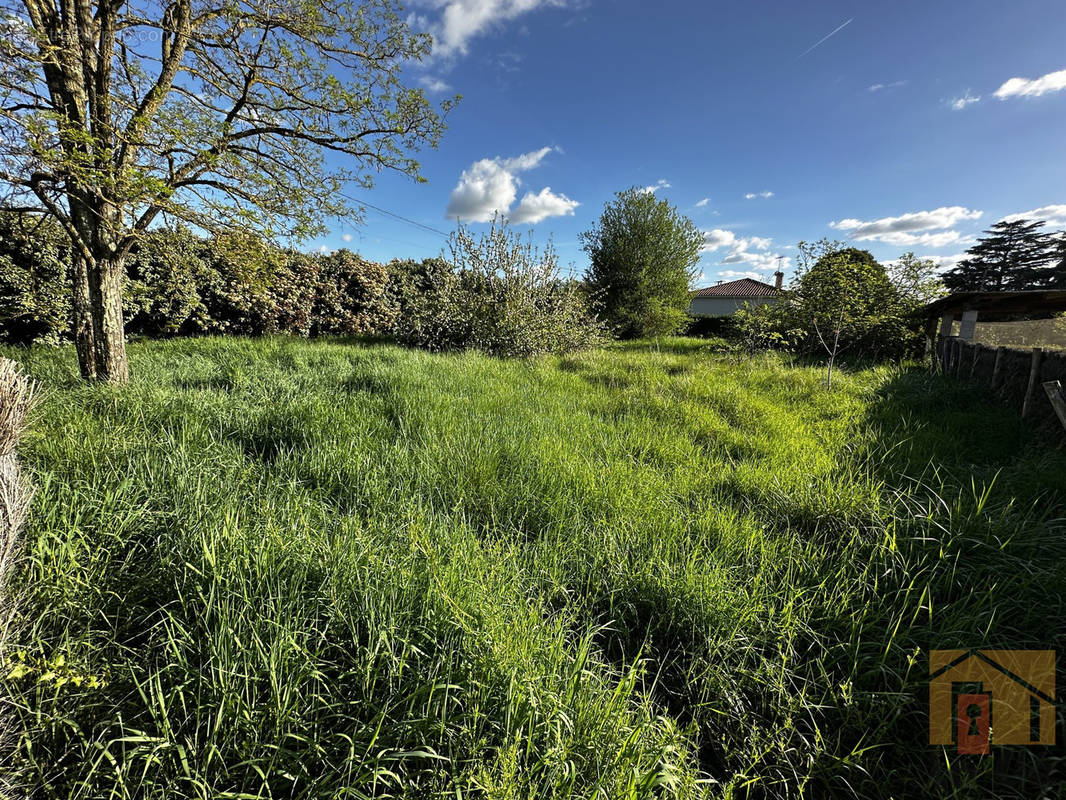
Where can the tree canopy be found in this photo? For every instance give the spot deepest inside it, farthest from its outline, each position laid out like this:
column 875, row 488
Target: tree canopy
column 227, row 115
column 643, row 255
column 917, row 280
column 1012, row 255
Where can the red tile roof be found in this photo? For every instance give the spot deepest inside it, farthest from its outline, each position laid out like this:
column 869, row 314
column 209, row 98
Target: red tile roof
column 745, row 287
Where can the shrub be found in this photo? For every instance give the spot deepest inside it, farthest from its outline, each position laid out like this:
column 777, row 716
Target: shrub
column 504, row 297
column 769, row 326
column 165, row 274
column 352, row 296
column 238, row 292
column 34, row 287
column 841, row 301
column 409, row 279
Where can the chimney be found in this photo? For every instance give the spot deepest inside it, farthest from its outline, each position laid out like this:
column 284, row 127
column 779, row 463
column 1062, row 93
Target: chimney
column 778, row 278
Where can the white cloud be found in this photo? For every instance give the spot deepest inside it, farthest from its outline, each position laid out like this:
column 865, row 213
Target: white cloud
column 535, row 207
column 347, row 237
column 901, row 239
column 462, row 20
column 878, row 87
column 968, row 99
column 753, row 195
column 754, row 250
column 910, row 229
column 484, row 189
column 662, row 183
column 1052, row 215
column 490, row 186
column 1025, row 87
column 943, row 263
column 526, row 160
column 736, row 275
column 703, row 202
column 716, row 239
column 434, row 84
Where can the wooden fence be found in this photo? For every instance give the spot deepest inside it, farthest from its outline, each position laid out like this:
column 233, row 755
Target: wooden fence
column 1031, row 381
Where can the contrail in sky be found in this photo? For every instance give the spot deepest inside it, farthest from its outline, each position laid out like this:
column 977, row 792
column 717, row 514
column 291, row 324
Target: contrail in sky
column 826, row 38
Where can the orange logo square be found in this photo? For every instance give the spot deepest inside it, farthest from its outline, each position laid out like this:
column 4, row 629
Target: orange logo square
column 978, row 698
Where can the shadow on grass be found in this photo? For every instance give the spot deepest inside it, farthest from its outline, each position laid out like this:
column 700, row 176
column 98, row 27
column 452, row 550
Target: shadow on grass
column 922, row 421
column 674, row 345
column 978, row 520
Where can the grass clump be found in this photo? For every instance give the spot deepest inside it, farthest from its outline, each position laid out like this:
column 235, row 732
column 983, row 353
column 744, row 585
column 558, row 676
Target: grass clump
column 280, row 568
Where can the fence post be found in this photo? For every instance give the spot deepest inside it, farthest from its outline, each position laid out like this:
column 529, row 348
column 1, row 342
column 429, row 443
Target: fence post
column 997, row 367
column 973, row 364
column 1057, row 398
column 960, row 347
column 1034, row 377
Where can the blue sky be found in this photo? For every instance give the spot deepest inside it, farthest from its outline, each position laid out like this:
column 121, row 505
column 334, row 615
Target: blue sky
column 914, row 126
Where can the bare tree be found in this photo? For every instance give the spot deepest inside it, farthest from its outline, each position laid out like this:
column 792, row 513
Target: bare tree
column 227, row 114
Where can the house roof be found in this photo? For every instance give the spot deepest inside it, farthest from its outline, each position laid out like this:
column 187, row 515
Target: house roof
column 1034, row 301
column 745, row 287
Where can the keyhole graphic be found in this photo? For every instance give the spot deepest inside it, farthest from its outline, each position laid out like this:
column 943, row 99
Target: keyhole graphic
column 973, row 711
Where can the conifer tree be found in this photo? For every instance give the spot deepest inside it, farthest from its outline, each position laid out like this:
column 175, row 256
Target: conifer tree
column 1012, row 256
column 1057, row 274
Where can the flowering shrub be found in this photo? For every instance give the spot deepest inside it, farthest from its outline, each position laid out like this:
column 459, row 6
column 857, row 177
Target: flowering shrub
column 503, row 297
column 351, row 296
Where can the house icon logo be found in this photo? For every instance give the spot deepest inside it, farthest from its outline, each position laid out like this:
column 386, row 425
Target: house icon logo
column 982, row 697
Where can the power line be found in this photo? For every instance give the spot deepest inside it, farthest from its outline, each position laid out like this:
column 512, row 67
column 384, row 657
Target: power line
column 394, row 215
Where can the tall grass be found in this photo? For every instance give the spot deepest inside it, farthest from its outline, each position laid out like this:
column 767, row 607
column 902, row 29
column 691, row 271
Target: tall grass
column 277, row 568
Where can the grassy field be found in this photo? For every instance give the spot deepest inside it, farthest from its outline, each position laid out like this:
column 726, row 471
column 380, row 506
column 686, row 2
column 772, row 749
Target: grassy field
column 281, row 568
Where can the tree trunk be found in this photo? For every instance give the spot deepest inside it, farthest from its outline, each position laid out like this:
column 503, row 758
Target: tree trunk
column 109, row 335
column 832, row 360
column 83, row 319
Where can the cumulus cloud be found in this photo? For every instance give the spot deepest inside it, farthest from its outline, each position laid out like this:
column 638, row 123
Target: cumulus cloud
column 901, row 239
column 716, row 239
column 1052, row 215
column 753, row 195
column 703, row 202
column 908, row 230
column 753, row 250
column 1035, row 87
column 463, row 20
column 735, row 275
column 432, row 84
column 662, row 183
column 943, row 263
column 535, row 207
column 490, row 186
column 347, row 237
column 968, row 99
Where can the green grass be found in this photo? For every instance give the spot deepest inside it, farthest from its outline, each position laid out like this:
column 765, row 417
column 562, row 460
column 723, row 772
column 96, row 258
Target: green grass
column 278, row 568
